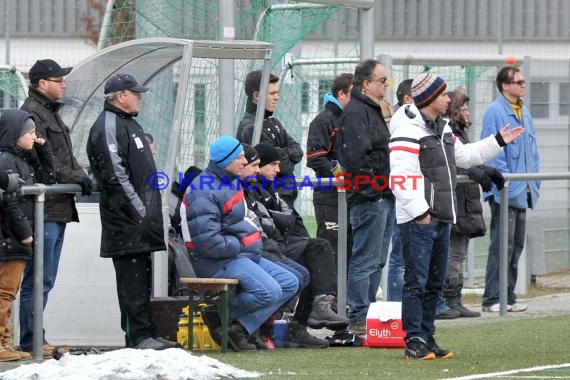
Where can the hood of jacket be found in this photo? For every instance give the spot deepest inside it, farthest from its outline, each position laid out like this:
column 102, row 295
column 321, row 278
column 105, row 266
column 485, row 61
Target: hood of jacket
column 11, row 123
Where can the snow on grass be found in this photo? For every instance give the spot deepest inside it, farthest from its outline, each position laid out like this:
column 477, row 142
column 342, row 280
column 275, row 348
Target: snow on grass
column 171, row 364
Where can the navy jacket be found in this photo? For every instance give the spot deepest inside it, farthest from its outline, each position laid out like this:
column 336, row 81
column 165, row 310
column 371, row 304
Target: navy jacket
column 218, row 226
column 121, row 160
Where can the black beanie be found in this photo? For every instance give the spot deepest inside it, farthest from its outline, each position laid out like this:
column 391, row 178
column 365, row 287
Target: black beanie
column 267, row 154
column 250, row 153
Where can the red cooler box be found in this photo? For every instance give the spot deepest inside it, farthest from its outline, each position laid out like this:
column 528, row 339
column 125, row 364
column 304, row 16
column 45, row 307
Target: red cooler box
column 384, row 325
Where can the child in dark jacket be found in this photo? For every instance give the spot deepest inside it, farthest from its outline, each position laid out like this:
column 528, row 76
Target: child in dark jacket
column 17, row 156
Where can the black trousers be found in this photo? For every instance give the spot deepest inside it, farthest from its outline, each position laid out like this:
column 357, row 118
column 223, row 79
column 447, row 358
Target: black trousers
column 134, row 286
column 318, row 258
column 327, row 228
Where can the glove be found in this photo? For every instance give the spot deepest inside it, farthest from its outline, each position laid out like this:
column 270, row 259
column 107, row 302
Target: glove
column 495, row 175
column 86, row 186
column 478, row 175
column 14, row 183
column 336, row 169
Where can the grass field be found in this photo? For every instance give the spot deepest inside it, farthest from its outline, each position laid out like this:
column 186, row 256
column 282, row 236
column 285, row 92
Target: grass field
column 480, row 347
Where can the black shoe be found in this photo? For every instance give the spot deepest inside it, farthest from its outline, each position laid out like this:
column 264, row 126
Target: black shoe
column 238, row 338
column 448, row 314
column 438, row 351
column 417, row 349
column 168, row 343
column 465, row 312
column 213, row 321
column 150, row 344
column 299, row 337
column 323, row 314
column 258, row 341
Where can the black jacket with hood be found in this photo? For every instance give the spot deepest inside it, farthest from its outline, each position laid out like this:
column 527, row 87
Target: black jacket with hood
column 58, row 207
column 34, row 166
column 121, row 160
column 322, row 150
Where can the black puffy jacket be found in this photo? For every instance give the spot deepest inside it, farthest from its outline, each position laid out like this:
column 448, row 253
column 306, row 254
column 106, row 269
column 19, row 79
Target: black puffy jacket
column 17, row 211
column 121, row 160
column 469, row 209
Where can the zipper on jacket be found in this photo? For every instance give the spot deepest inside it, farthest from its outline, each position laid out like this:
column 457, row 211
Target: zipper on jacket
column 442, row 144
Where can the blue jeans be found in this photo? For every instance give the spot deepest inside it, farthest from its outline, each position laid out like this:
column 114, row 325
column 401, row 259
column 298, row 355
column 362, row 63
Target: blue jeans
column 302, row 273
column 372, row 224
column 425, row 249
column 517, row 230
column 263, row 288
column 395, row 268
column 54, row 233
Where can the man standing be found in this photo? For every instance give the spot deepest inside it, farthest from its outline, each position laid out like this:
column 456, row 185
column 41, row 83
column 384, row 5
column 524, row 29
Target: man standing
column 520, row 157
column 423, row 158
column 131, row 215
column 364, row 155
column 44, row 95
column 290, row 152
column 323, row 158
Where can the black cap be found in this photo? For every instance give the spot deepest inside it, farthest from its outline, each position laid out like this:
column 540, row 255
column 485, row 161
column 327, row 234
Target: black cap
column 47, row 68
column 123, row 82
column 250, row 153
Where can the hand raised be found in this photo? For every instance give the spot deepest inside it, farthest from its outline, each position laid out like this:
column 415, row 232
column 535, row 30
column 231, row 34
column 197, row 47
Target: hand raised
column 511, row 134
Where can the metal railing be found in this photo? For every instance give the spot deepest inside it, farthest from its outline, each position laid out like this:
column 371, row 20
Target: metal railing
column 39, row 190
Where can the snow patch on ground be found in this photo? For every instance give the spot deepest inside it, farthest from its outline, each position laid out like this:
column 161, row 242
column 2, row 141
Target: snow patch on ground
column 171, row 364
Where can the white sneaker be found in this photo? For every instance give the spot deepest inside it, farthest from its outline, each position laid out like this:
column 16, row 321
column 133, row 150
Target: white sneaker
column 518, row 307
column 495, row 308
column 379, row 294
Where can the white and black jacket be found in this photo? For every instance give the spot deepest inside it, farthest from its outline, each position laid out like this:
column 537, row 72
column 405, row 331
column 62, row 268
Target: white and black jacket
column 423, row 158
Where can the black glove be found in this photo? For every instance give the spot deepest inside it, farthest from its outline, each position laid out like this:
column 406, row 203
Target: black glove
column 495, row 175
column 86, row 186
column 14, row 182
column 478, row 175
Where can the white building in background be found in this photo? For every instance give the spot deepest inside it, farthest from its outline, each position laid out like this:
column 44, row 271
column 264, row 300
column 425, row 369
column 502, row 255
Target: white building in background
column 55, row 29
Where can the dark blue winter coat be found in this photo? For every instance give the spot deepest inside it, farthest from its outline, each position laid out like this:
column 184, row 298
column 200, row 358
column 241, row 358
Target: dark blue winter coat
column 216, row 213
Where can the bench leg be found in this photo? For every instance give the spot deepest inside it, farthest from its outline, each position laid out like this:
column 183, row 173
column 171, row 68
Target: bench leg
column 225, row 317
column 190, row 339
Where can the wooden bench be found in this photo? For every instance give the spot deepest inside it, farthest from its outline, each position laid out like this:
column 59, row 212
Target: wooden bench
column 199, row 285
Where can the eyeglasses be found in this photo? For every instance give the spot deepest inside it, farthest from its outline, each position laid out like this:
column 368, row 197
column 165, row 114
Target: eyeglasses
column 382, row 80
column 518, row 82
column 55, row 80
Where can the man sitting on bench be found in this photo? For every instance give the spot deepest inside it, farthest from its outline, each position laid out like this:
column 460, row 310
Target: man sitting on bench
column 227, row 244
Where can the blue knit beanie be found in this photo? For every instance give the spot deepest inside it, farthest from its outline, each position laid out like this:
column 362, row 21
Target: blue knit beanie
column 224, row 150
column 426, row 88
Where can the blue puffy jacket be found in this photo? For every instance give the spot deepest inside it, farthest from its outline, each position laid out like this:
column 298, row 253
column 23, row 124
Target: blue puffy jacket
column 520, row 156
column 218, row 226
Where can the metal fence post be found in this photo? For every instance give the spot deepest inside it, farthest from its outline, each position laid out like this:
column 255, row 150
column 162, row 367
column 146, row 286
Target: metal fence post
column 504, row 249
column 38, row 290
column 342, row 254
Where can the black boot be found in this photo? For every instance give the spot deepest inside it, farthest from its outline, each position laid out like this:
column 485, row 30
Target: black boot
column 238, row 338
column 463, row 311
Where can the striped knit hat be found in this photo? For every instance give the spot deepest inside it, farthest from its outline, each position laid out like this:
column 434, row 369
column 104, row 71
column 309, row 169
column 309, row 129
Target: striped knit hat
column 426, row 88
